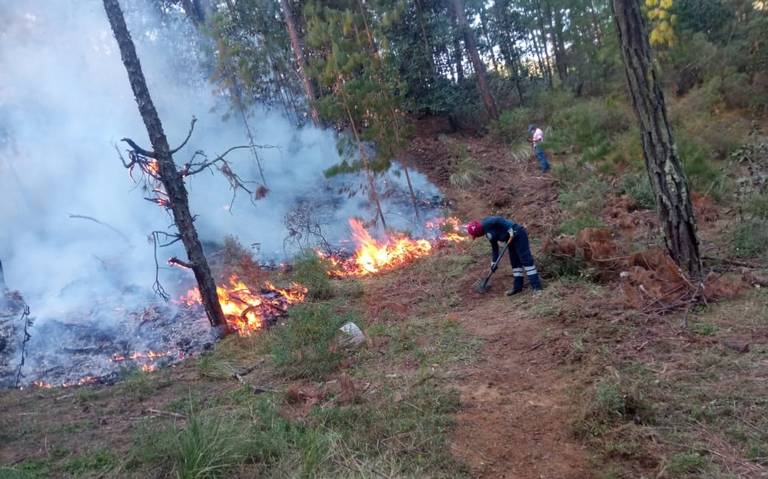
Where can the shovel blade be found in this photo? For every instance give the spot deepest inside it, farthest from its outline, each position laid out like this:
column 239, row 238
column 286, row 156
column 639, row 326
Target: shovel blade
column 481, row 286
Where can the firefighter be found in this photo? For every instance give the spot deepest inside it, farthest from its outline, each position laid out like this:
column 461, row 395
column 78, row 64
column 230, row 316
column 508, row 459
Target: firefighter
column 497, row 230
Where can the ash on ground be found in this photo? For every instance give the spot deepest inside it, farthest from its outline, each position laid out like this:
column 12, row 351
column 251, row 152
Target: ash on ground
column 100, row 344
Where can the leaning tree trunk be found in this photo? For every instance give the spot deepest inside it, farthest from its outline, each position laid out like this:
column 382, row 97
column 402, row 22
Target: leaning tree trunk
column 471, row 45
column 301, row 64
column 169, row 176
column 668, row 180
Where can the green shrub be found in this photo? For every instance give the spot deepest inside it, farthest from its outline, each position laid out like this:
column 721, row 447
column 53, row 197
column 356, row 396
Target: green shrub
column 311, row 271
column 137, row 384
column 584, row 197
column 590, row 126
column 638, row 187
column 574, row 225
column 612, row 403
column 546, row 103
column 566, row 267
column 467, row 171
column 99, row 461
column 757, row 206
column 748, row 239
column 302, row 347
column 626, row 151
column 512, row 126
column 685, row 463
column 704, row 176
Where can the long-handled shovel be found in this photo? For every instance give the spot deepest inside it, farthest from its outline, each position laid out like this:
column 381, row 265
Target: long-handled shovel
column 481, row 285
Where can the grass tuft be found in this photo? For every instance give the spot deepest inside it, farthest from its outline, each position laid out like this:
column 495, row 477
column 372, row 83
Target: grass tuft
column 303, row 346
column 311, row 271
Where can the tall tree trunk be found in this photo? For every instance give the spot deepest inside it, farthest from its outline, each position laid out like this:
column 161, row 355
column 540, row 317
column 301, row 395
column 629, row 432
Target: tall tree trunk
column 3, row 287
column 194, row 11
column 559, row 45
column 542, row 66
column 487, row 35
column 428, row 50
column 301, row 64
column 458, row 59
column 169, row 176
column 595, row 22
column 543, row 41
column 665, row 171
column 471, row 44
column 508, row 50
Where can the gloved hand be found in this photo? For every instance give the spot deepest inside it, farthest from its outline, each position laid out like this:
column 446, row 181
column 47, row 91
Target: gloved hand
column 511, row 232
column 494, row 266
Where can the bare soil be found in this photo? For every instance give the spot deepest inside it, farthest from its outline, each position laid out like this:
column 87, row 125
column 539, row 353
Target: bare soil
column 514, row 421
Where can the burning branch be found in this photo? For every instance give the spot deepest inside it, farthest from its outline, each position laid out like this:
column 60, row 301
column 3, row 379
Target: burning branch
column 174, row 261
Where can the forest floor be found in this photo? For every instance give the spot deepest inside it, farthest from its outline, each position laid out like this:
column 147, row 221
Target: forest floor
column 570, row 384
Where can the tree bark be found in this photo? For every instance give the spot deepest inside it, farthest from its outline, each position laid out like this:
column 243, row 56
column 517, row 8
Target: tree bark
column 169, row 176
column 471, row 45
column 194, row 11
column 458, row 59
column 561, row 62
column 301, row 63
column 543, row 42
column 487, row 35
column 665, row 171
column 428, row 50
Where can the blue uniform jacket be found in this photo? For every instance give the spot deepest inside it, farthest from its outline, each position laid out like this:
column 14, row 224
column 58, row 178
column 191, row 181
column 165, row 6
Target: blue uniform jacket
column 496, row 229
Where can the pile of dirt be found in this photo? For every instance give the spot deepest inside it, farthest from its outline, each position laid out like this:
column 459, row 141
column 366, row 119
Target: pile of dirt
column 650, row 279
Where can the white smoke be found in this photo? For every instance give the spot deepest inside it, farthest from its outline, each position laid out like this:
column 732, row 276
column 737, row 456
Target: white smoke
column 65, row 101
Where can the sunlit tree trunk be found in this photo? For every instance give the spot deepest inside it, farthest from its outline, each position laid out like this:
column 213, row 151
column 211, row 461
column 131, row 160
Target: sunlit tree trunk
column 471, row 45
column 665, row 171
column 301, row 63
column 169, row 176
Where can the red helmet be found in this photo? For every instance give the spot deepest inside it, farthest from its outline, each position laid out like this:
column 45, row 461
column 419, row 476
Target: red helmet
column 475, row 229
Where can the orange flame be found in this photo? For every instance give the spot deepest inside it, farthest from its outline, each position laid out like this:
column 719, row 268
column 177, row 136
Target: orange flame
column 154, row 167
column 80, row 382
column 244, row 309
column 372, row 256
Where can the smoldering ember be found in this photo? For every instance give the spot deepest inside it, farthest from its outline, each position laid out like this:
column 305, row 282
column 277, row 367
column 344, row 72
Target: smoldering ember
column 391, row 238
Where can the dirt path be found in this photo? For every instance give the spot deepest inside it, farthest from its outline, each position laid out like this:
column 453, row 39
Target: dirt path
column 514, row 418
column 514, row 421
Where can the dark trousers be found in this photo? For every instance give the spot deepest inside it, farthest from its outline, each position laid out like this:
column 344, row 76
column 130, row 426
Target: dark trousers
column 522, row 261
column 542, row 157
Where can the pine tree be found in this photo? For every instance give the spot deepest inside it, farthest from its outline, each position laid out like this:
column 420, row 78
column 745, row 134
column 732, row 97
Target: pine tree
column 170, row 177
column 665, row 170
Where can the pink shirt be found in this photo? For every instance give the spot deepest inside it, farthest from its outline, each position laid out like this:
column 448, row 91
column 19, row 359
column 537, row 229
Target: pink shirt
column 538, row 135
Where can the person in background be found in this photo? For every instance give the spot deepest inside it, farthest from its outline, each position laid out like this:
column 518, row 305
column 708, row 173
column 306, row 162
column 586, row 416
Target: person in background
column 501, row 230
column 536, row 137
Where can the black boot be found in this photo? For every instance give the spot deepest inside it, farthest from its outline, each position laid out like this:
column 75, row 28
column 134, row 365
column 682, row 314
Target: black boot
column 517, row 286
